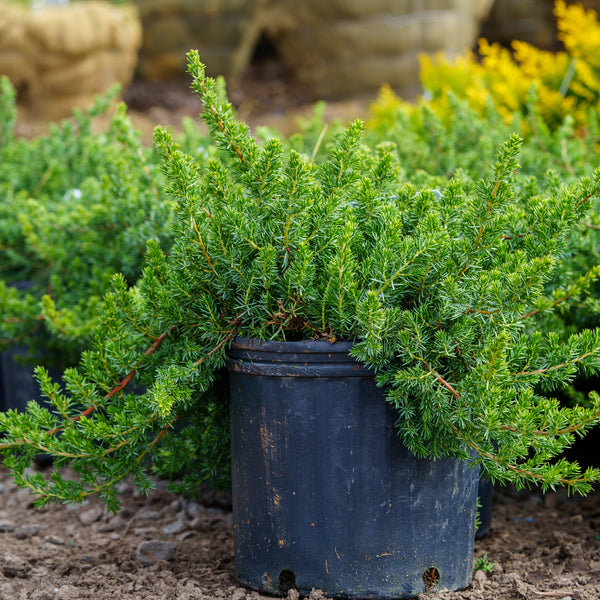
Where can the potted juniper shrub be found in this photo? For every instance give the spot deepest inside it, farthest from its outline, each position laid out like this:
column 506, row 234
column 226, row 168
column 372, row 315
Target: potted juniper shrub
column 77, row 205
column 366, row 343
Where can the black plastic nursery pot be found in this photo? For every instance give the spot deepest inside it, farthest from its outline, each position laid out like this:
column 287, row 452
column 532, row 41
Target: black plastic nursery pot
column 484, row 495
column 325, row 495
column 18, row 386
column 17, row 383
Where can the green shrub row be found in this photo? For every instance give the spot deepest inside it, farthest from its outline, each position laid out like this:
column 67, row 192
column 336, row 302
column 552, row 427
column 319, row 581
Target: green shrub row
column 460, row 256
column 76, row 207
column 447, row 292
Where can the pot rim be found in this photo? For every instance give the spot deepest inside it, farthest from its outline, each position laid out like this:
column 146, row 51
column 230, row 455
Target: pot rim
column 300, row 347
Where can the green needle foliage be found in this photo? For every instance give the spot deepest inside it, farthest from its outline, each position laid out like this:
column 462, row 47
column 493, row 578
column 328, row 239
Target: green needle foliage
column 437, row 288
column 76, row 207
column 431, row 147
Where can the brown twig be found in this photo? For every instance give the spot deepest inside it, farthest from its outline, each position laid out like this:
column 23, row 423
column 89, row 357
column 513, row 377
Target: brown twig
column 556, row 367
column 515, row 237
column 584, row 200
column 442, row 381
column 217, row 347
column 566, row 431
column 537, row 310
column 122, row 384
column 538, row 432
column 517, row 470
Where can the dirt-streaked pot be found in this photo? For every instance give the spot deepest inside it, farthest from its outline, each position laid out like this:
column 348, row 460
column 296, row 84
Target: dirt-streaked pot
column 325, row 494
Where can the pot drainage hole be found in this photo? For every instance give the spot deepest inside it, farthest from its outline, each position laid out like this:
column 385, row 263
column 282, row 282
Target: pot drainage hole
column 287, row 581
column 431, row 578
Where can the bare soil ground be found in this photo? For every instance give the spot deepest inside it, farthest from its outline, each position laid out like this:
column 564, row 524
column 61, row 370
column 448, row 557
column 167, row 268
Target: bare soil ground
column 266, row 95
column 162, row 547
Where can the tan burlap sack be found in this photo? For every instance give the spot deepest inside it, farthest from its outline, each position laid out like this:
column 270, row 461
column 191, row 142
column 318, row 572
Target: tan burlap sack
column 59, row 57
column 216, row 28
column 347, row 47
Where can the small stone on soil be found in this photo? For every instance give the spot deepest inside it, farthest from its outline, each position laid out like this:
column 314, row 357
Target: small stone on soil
column 193, row 510
column 480, row 579
column 198, row 523
column 145, row 531
column 55, row 540
column 22, row 533
column 146, row 514
column 174, row 527
column 6, row 526
column 87, row 517
column 149, row 552
column 12, row 565
column 113, row 524
column 239, row 594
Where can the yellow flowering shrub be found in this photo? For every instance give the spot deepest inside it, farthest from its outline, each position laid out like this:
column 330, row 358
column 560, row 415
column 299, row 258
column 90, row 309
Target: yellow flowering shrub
column 385, row 111
column 579, row 31
column 565, row 83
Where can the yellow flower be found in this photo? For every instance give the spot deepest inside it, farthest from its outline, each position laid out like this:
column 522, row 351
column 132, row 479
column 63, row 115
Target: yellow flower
column 564, row 83
column 540, row 65
column 384, row 110
column 579, row 31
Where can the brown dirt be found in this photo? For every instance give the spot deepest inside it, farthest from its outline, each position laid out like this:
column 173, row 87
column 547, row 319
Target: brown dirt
column 264, row 97
column 543, row 547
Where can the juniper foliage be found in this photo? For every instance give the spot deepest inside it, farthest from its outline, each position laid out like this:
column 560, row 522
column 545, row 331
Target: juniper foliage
column 432, row 147
column 435, row 287
column 76, row 207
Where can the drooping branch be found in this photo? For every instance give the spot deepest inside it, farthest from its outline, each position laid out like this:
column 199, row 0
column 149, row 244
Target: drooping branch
column 518, row 471
column 539, row 432
column 120, row 386
column 231, row 335
column 442, row 381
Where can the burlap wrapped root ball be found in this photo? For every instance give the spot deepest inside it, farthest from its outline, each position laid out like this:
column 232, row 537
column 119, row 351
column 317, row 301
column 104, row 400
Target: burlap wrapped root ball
column 345, row 47
column 60, row 57
column 216, row 28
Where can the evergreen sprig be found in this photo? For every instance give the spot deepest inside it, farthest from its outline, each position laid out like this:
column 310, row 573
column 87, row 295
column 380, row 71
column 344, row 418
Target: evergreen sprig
column 436, row 288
